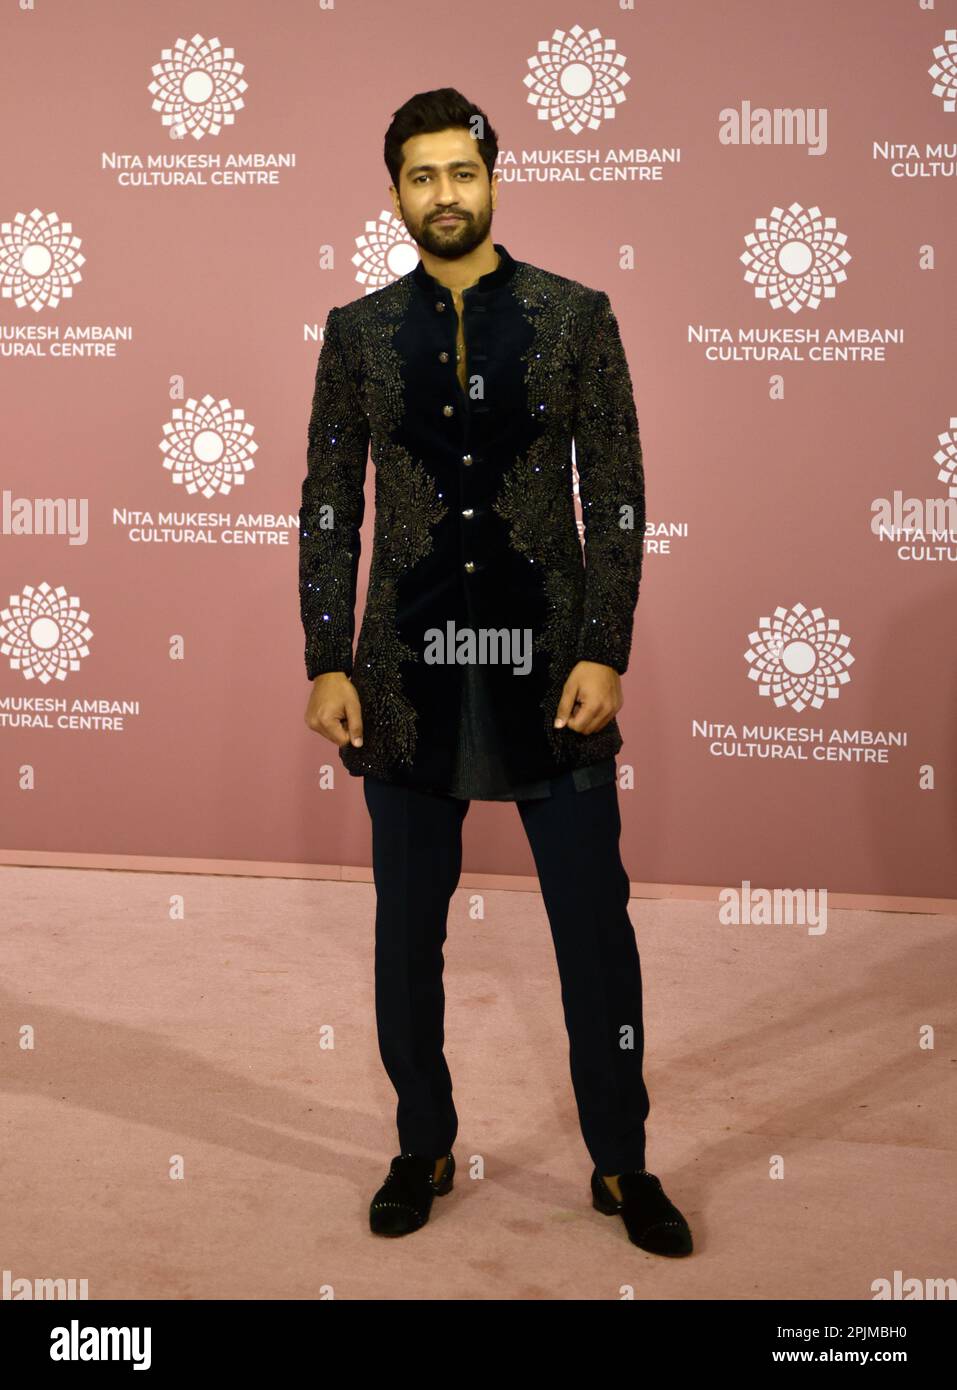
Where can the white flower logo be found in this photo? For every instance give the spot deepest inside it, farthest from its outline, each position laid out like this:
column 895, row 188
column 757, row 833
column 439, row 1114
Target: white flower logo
column 944, row 71
column 799, row 658
column 946, row 458
column 197, row 87
column 386, row 252
column 576, row 79
column 795, row 258
column 44, row 633
column 39, row 260
column 208, row 446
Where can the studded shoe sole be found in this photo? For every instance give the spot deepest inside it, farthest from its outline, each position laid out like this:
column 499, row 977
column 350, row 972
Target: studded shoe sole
column 652, row 1221
column 404, row 1201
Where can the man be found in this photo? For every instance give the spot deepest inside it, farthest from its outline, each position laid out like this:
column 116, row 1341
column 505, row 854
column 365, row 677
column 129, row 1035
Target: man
column 489, row 659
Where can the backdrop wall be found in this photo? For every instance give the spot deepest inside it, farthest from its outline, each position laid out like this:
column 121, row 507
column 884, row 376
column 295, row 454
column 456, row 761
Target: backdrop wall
column 766, row 193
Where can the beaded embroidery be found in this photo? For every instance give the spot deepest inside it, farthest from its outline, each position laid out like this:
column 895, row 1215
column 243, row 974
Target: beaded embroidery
column 406, row 508
column 332, row 508
column 611, row 481
column 537, row 499
column 578, row 384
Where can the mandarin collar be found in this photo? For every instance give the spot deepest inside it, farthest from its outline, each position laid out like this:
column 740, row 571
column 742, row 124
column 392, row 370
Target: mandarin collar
column 501, row 275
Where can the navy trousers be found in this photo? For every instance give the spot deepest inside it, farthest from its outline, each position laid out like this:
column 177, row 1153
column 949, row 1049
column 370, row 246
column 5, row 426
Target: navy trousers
column 417, row 859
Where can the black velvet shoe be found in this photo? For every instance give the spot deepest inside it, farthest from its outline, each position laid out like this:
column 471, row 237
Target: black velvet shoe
column 651, row 1220
column 403, row 1202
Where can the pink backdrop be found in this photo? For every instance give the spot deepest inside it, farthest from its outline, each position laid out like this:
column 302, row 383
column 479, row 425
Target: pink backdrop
column 762, row 475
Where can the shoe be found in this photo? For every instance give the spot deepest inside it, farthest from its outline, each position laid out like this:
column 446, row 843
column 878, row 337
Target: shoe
column 403, row 1202
column 652, row 1221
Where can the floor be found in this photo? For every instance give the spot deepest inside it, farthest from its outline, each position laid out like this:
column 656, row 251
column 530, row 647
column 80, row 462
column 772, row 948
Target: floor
column 193, row 1105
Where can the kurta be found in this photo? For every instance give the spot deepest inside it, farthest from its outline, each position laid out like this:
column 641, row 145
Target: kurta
column 480, row 772
column 475, row 538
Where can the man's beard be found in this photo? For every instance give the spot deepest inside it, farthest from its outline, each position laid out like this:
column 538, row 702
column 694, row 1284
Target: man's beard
column 453, row 241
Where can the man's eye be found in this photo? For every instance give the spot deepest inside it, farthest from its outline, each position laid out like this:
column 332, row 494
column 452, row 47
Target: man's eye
column 463, row 173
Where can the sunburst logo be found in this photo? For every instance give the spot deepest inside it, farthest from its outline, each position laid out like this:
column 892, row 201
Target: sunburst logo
column 946, row 458
column 799, row 657
column 197, row 87
column 208, row 446
column 944, row 71
column 39, row 260
column 385, row 253
column 795, row 258
column 44, row 633
column 576, row 79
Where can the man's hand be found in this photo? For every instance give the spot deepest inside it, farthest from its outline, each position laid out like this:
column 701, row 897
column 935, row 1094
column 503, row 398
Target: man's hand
column 590, row 699
column 334, row 709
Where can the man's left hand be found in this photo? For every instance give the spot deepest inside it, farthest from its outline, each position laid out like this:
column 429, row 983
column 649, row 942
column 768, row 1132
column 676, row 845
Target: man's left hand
column 591, row 698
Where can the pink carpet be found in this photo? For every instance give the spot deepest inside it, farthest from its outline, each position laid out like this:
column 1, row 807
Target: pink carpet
column 235, row 1034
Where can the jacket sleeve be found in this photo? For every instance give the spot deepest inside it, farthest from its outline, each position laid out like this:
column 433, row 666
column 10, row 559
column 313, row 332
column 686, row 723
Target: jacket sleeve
column 333, row 504
column 611, row 484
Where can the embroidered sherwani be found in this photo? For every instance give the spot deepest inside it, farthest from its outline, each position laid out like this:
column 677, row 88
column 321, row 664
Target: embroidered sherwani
column 474, row 523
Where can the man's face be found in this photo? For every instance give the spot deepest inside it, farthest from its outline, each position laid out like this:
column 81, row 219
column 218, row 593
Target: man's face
column 443, row 173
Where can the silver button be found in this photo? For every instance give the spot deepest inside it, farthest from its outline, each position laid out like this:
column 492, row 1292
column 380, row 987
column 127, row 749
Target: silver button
column 467, row 459
column 468, row 512
column 440, row 306
column 443, row 356
column 448, row 410
column 469, row 566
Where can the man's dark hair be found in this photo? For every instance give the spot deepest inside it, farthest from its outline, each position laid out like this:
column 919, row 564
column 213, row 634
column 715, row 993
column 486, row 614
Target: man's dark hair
column 439, row 110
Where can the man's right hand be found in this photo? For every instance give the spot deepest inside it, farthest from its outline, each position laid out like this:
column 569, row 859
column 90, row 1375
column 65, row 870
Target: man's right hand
column 334, row 709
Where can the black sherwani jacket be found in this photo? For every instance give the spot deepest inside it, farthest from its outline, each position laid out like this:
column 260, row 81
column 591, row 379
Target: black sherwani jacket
column 474, row 514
